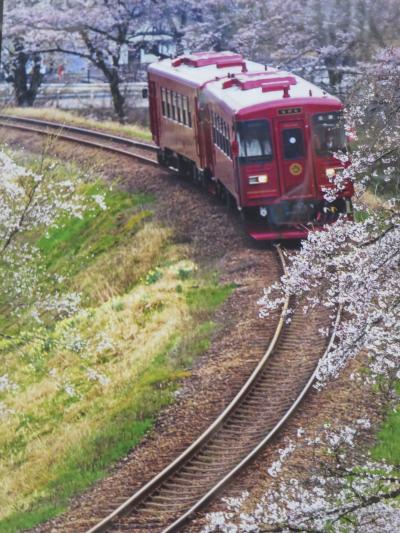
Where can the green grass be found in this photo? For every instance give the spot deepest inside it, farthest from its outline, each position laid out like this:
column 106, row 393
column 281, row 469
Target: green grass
column 361, row 215
column 388, row 438
column 147, row 314
column 121, row 431
column 78, row 241
column 87, row 463
column 207, row 298
column 20, row 521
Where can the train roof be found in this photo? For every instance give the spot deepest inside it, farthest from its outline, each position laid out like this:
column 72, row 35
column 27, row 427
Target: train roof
column 199, row 68
column 239, row 84
column 267, row 88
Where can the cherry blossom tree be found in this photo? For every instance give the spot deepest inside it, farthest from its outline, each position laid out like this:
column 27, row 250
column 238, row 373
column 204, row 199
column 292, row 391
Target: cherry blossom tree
column 346, row 491
column 32, row 202
column 21, row 58
column 355, row 266
column 317, row 39
column 98, row 32
column 212, row 25
column 324, row 41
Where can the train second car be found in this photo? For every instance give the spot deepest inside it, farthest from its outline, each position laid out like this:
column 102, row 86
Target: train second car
column 262, row 137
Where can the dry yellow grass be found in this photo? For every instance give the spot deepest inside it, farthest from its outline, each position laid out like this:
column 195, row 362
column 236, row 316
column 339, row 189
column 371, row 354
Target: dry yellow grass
column 68, row 117
column 133, row 329
column 123, row 266
column 371, row 200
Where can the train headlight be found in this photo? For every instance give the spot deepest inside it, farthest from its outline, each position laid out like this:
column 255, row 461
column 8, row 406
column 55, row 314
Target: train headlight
column 330, row 173
column 333, row 172
column 255, row 180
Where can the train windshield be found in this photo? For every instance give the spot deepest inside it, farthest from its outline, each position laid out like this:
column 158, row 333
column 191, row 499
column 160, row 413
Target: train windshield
column 254, row 140
column 328, row 133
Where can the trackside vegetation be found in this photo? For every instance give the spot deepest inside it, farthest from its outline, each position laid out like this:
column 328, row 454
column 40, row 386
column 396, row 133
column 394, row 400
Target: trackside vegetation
column 388, row 438
column 73, row 119
column 79, row 389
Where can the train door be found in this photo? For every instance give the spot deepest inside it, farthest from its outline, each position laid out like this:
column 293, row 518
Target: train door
column 295, row 159
column 154, row 122
column 200, row 125
column 207, row 125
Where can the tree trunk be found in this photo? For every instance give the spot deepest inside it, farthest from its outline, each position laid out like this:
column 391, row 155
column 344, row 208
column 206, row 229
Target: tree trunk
column 35, row 81
column 25, row 85
column 118, row 98
column 111, row 73
column 18, row 77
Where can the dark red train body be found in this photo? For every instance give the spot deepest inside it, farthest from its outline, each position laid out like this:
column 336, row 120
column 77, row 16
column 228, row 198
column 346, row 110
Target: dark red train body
column 263, row 137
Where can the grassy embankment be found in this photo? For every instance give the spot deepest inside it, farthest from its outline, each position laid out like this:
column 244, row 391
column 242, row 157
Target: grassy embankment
column 88, row 387
column 388, row 446
column 388, row 438
column 69, row 117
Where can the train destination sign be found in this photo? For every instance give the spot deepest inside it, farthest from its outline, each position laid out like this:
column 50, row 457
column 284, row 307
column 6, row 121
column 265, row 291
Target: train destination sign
column 289, row 111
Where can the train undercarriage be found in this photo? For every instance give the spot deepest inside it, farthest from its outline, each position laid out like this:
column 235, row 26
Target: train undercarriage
column 286, row 219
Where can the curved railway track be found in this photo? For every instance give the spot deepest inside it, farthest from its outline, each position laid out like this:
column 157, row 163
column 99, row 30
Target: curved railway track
column 97, row 139
column 270, row 395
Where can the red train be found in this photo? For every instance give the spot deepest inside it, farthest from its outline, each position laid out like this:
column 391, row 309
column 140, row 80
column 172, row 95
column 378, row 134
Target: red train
column 253, row 134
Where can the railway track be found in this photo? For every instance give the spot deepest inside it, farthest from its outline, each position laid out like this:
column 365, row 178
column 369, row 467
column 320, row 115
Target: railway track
column 97, row 139
column 262, row 406
column 271, row 394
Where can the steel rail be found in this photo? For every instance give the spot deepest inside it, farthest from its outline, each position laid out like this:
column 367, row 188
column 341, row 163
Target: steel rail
column 77, row 129
column 175, row 526
column 81, row 140
column 147, row 489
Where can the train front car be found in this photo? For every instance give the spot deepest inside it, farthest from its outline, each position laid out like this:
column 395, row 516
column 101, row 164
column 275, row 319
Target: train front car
column 265, row 138
column 285, row 134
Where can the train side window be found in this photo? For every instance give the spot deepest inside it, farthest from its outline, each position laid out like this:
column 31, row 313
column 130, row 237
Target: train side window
column 189, row 116
column 184, row 110
column 163, row 102
column 293, row 143
column 168, row 94
column 173, row 105
column 217, row 132
column 181, row 104
column 179, row 107
column 228, row 142
column 329, row 133
column 221, row 133
column 226, row 137
column 214, row 117
column 215, row 127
